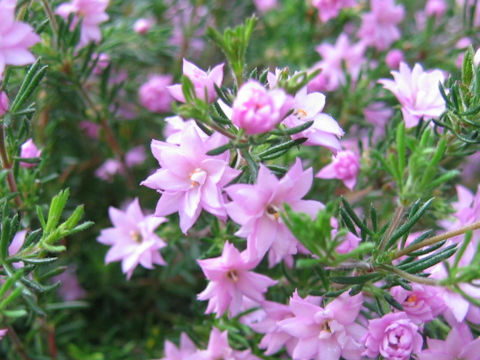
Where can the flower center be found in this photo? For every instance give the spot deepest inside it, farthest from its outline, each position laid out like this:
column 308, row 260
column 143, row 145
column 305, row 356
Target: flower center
column 197, row 177
column 135, row 235
column 233, row 275
column 412, row 299
column 301, row 113
column 273, row 212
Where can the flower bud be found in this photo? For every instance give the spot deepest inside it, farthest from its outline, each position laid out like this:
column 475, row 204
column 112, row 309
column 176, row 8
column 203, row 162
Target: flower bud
column 29, row 151
column 3, row 103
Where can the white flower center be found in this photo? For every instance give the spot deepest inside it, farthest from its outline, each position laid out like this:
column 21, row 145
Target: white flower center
column 197, row 177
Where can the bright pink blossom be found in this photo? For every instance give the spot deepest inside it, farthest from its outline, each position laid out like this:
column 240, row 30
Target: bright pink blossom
column 133, row 238
column 256, row 208
column 91, row 13
column 379, row 26
column 231, row 281
column 334, row 58
column 203, row 82
column 189, row 179
column 3, row 103
column 418, row 93
column 345, row 166
column 329, row 9
column 459, row 344
column 142, row 26
column 183, row 352
column 154, row 94
column 324, row 131
column 258, row 110
column 325, row 333
column 394, row 336
column 29, row 150
column 421, row 304
column 16, row 37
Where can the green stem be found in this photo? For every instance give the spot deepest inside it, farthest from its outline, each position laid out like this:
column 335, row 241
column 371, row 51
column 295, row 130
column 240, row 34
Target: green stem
column 7, row 165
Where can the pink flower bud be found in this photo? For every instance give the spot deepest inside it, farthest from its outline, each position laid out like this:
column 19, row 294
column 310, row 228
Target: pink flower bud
column 142, row 26
column 258, row 110
column 29, row 151
column 3, row 103
column 102, row 63
column 394, row 58
column 154, row 94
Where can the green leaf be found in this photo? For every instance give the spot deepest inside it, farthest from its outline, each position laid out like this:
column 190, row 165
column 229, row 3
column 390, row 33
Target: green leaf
column 29, row 85
column 468, row 68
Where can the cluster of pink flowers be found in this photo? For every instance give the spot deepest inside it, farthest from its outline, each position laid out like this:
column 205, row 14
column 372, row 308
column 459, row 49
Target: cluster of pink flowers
column 329, row 9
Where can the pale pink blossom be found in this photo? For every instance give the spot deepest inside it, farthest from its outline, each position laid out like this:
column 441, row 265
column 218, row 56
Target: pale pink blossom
column 459, row 344
column 231, row 280
column 132, row 238
column 16, row 38
column 257, row 209
column 174, row 127
column 378, row 114
column 109, row 169
column 91, row 13
column 3, row 103
column 393, row 58
column 324, row 131
column 203, row 82
column 154, row 94
column 265, row 5
column 103, row 60
column 28, row 150
column 379, row 26
column 344, row 166
column 135, row 156
column 142, row 26
column 325, row 333
column 393, row 336
column 189, row 179
column 218, row 348
column 70, row 289
column 418, row 93
column 334, row 57
column 436, row 8
column 350, row 241
column 183, row 352
column 329, row 9
column 3, row 332
column 258, row 110
column 421, row 304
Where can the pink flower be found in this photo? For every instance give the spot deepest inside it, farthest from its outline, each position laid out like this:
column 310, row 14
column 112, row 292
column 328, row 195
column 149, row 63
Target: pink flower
column 108, row 170
column 350, row 241
column 3, row 332
column 133, row 238
column 332, row 75
column 275, row 338
column 436, row 8
column 15, row 246
column 16, row 37
column 393, row 58
column 29, row 150
column 3, row 103
column 459, row 344
column 256, row 208
column 103, row 60
column 91, row 13
column 203, row 82
column 135, row 156
column 187, row 348
column 378, row 114
column 345, row 167
column 418, row 93
column 142, row 26
column 154, row 94
column 394, row 336
column 91, row 129
column 379, row 26
column 218, row 348
column 328, row 9
column 265, row 5
column 70, row 290
column 231, row 280
column 190, row 180
column 325, row 333
column 422, row 304
column 324, row 131
column 258, row 110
